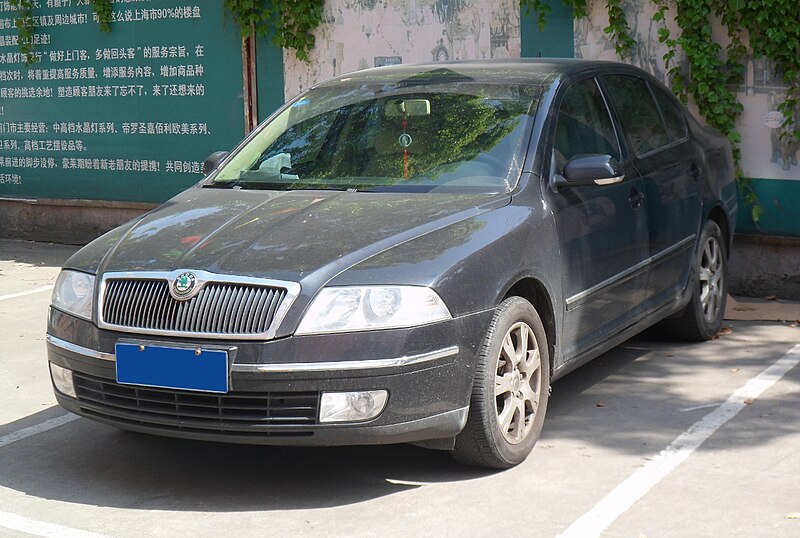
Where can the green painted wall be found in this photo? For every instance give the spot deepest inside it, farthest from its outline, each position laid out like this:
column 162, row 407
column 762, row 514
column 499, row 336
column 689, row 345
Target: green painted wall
column 780, row 199
column 270, row 77
column 557, row 38
column 128, row 115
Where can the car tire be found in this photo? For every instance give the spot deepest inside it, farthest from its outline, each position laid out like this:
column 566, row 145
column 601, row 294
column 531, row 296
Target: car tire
column 510, row 390
column 702, row 318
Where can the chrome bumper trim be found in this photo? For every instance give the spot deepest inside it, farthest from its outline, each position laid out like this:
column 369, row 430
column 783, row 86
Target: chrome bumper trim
column 287, row 367
column 80, row 350
column 346, row 365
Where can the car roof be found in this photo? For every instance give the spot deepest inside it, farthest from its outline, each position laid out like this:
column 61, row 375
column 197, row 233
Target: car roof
column 514, row 71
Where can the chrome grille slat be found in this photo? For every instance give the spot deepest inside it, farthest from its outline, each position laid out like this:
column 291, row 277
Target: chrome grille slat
column 162, row 311
column 191, row 310
column 202, row 304
column 147, row 309
column 212, row 308
column 260, row 307
column 235, row 306
column 183, row 312
column 227, row 302
column 115, row 305
column 172, row 308
column 273, row 305
column 237, row 324
column 219, row 308
column 248, row 312
column 137, row 306
column 126, row 300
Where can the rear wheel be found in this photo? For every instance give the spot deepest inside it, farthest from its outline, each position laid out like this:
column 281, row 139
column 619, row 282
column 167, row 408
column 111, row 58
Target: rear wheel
column 702, row 318
column 510, row 391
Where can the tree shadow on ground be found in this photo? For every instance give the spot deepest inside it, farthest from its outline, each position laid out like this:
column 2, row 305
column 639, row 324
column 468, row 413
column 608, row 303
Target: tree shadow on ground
column 632, row 399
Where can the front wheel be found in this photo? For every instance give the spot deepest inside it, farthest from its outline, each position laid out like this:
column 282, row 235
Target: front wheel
column 702, row 318
column 510, row 391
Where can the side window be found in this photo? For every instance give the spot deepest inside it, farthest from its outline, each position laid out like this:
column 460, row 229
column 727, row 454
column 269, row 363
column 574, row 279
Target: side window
column 638, row 111
column 672, row 113
column 584, row 125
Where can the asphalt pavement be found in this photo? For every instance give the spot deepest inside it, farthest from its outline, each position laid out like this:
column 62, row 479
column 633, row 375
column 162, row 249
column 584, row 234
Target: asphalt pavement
column 654, row 438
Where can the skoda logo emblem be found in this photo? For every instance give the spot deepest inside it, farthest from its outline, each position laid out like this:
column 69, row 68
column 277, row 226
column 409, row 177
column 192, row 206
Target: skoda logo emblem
column 184, row 284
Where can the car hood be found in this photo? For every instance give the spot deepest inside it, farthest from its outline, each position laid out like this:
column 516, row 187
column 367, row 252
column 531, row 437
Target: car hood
column 299, row 236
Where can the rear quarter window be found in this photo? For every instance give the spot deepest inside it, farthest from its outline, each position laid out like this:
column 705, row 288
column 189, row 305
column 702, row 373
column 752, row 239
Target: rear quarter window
column 672, row 113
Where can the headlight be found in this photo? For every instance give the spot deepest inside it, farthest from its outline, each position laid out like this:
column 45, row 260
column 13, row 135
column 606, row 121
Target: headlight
column 74, row 293
column 368, row 308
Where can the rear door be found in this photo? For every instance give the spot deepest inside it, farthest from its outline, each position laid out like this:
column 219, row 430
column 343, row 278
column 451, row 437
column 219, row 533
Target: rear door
column 602, row 229
column 669, row 165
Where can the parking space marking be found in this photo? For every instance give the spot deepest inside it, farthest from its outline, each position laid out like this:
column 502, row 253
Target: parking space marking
column 39, row 528
column 23, row 293
column 36, row 429
column 636, row 486
column 696, row 407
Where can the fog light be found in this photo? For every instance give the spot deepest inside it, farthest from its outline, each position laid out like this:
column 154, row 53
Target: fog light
column 352, row 406
column 62, row 379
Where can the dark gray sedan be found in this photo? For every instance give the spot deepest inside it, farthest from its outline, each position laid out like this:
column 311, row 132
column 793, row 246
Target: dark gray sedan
column 404, row 254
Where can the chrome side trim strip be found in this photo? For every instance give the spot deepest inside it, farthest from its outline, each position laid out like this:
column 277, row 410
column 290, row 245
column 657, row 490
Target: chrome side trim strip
column 627, row 272
column 80, row 350
column 346, row 365
column 292, row 291
column 730, row 200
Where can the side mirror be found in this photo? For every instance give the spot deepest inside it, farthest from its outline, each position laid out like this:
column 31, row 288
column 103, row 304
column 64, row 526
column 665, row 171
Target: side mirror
column 589, row 170
column 212, row 161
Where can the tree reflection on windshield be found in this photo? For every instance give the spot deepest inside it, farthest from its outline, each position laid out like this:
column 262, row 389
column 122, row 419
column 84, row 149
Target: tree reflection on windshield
column 423, row 137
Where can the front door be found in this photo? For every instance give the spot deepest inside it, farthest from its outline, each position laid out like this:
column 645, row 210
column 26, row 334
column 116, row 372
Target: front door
column 602, row 229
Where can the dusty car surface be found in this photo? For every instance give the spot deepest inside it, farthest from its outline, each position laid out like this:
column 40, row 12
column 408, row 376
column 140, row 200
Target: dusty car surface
column 404, row 254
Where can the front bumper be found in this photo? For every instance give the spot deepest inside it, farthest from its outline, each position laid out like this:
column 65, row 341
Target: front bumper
column 275, row 386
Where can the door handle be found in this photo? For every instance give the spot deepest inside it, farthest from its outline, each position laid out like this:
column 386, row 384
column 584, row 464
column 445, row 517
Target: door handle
column 635, row 198
column 694, row 171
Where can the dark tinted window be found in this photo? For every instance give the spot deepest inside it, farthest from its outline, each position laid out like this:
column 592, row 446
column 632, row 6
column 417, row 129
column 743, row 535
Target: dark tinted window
column 638, row 111
column 672, row 113
column 584, row 125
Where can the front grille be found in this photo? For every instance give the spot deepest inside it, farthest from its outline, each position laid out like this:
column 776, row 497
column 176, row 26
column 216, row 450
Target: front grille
column 218, row 308
column 238, row 413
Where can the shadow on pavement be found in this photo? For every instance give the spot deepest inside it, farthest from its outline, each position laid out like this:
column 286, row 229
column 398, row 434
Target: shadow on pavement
column 88, row 463
column 31, row 253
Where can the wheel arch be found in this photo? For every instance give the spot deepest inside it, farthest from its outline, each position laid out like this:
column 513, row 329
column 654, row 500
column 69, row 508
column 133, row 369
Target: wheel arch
column 535, row 292
column 717, row 214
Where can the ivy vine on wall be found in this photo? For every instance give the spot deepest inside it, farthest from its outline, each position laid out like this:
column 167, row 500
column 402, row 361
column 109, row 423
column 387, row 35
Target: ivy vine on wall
column 103, row 10
column 26, row 27
column 26, row 24
column 293, row 21
column 771, row 29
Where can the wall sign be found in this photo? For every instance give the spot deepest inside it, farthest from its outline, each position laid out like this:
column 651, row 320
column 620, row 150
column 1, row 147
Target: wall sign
column 128, row 115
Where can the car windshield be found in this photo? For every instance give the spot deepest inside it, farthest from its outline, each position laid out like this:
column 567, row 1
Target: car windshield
column 412, row 135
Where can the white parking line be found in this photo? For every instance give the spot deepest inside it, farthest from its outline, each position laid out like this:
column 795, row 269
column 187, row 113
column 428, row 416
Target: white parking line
column 696, row 407
column 31, row 526
column 36, row 429
column 23, row 293
column 616, row 503
column 39, row 528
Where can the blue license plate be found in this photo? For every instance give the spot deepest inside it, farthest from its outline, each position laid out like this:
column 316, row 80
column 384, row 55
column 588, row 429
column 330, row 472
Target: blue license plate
column 172, row 367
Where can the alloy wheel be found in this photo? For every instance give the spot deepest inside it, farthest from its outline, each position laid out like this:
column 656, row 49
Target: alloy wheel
column 518, row 382
column 711, row 279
